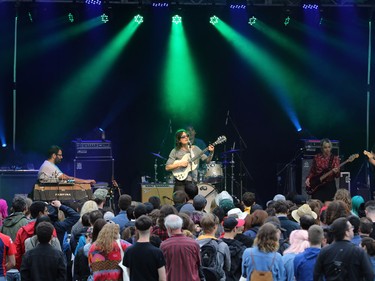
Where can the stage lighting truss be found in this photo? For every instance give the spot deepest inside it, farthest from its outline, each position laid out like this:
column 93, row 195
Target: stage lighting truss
column 93, row 2
column 214, row 20
column 252, row 20
column 138, row 19
column 104, row 18
column 176, row 19
column 237, row 6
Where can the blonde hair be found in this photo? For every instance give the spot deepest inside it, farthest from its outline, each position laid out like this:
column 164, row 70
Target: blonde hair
column 344, row 195
column 267, row 240
column 106, row 237
column 88, row 207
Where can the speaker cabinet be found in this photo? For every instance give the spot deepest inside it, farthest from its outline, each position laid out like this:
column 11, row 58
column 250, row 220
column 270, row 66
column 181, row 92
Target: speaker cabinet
column 163, row 191
column 16, row 183
column 100, row 170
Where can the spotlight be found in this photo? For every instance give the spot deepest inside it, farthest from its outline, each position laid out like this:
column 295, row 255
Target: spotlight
column 310, row 4
column 104, row 18
column 4, row 145
column 214, row 20
column 71, row 17
column 138, row 19
column 252, row 20
column 176, row 19
column 237, row 6
column 30, row 17
column 160, row 4
column 287, row 20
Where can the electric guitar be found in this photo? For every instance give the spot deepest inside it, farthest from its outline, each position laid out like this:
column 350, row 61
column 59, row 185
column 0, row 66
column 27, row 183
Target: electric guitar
column 182, row 172
column 317, row 181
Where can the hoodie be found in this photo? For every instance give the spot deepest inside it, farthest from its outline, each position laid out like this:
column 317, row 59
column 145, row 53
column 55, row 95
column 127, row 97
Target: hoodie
column 224, row 256
column 304, row 264
column 13, row 223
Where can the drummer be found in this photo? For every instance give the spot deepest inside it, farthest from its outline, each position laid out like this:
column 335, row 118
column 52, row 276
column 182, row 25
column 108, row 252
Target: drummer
column 182, row 148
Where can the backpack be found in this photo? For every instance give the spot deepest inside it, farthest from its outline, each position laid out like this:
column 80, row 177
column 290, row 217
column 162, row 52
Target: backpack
column 257, row 275
column 210, row 260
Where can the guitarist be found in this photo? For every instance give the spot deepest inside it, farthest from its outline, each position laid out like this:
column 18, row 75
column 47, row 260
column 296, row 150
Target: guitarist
column 182, row 148
column 324, row 162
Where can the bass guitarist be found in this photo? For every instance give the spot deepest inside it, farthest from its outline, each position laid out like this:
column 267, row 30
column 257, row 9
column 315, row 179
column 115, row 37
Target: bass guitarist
column 324, row 162
column 183, row 147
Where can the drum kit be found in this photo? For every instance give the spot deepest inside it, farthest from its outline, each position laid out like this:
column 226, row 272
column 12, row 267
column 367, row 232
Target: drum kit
column 209, row 175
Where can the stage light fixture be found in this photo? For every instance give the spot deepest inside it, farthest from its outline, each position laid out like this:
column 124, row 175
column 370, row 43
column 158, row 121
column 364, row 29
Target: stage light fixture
column 252, row 20
column 30, row 17
column 138, row 19
column 4, row 145
column 104, row 18
column 93, row 2
column 176, row 19
column 287, row 20
column 71, row 17
column 214, row 20
column 237, row 6
column 160, row 4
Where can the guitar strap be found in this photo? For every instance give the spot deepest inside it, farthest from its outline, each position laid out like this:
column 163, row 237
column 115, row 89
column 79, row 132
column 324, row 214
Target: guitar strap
column 330, row 162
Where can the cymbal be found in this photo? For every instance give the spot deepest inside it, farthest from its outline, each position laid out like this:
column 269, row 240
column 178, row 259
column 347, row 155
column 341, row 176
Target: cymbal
column 158, row 155
column 231, row 151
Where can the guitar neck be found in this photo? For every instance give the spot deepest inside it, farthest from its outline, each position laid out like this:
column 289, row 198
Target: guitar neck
column 199, row 155
column 331, row 171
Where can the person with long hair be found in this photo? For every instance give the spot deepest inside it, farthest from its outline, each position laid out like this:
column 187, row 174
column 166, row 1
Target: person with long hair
column 253, row 222
column 264, row 256
column 323, row 163
column 105, row 254
column 182, row 147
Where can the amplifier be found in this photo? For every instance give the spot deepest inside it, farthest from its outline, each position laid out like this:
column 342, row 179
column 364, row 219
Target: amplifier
column 163, row 191
column 48, row 192
column 312, row 147
column 93, row 149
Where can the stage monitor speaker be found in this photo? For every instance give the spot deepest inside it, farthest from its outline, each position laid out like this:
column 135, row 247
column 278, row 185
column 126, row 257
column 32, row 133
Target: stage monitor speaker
column 100, row 170
column 163, row 191
column 16, row 183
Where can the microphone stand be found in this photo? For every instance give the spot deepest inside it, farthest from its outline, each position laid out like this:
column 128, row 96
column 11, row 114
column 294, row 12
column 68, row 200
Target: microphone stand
column 243, row 146
column 167, row 132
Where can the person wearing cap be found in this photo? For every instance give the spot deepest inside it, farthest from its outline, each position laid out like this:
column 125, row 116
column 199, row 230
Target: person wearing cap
column 236, row 248
column 100, row 197
column 183, row 146
column 303, row 210
column 264, row 256
column 143, row 252
column 49, row 172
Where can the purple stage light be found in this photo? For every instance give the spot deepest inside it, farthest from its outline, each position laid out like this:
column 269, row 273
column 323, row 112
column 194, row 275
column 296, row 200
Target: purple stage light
column 93, row 2
column 237, row 6
column 160, row 5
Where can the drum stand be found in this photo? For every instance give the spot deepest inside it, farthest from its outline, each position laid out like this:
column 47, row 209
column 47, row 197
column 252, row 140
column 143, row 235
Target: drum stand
column 232, row 174
column 156, row 170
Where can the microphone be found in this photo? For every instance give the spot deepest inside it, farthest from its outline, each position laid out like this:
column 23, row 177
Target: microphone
column 189, row 144
column 226, row 120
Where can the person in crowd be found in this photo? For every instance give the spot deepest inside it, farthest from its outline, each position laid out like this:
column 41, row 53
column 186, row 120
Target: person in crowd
column 344, row 195
column 81, row 270
column 179, row 199
column 178, row 264
column 7, row 256
column 37, row 209
column 155, row 201
column 264, row 256
column 342, row 260
column 3, row 211
column 161, row 230
column 368, row 244
column 50, row 173
column 253, row 222
column 105, row 254
column 44, row 263
column 304, row 262
column 322, row 163
column 236, row 248
column 16, row 219
column 336, row 209
column 78, row 229
column 355, row 222
column 32, row 242
column 370, row 213
column 365, row 227
column 176, row 162
column 143, row 252
column 209, row 224
column 306, row 221
column 191, row 191
column 248, row 199
column 281, row 209
column 298, row 243
column 100, row 198
column 121, row 219
column 357, row 203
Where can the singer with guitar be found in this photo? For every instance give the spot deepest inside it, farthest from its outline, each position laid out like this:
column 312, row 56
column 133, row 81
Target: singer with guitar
column 182, row 148
column 323, row 163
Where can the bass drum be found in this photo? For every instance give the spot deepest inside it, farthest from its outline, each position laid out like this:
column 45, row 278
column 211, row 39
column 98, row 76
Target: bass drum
column 214, row 173
column 209, row 192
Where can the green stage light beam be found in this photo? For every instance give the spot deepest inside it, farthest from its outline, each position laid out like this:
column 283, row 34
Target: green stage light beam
column 182, row 89
column 84, row 81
